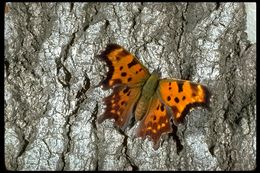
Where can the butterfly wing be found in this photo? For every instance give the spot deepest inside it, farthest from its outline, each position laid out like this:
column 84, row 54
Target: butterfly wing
column 124, row 68
column 182, row 95
column 119, row 105
column 156, row 122
column 126, row 76
column 172, row 100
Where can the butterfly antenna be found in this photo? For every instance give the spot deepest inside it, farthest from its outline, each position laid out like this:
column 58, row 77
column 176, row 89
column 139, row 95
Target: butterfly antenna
column 160, row 62
column 158, row 70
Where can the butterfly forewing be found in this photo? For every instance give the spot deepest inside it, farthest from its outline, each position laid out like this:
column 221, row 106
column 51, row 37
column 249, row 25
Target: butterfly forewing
column 182, row 95
column 124, row 68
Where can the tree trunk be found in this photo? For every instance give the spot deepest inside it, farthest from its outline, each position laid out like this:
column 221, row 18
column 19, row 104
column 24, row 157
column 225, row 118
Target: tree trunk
column 51, row 74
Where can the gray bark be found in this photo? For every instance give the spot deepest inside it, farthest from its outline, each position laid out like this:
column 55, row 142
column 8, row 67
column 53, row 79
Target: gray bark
column 51, row 74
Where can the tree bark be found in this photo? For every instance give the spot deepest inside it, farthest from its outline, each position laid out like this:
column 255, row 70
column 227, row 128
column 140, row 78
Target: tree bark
column 51, row 74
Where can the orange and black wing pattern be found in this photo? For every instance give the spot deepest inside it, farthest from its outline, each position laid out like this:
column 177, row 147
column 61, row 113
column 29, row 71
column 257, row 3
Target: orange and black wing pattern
column 182, row 95
column 156, row 122
column 125, row 76
column 124, row 68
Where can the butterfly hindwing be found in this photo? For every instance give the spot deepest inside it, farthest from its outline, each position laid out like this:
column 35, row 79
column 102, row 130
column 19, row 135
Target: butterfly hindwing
column 120, row 104
column 124, row 68
column 182, row 95
column 156, row 122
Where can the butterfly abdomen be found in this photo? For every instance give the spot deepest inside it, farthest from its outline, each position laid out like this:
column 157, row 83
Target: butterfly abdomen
column 148, row 91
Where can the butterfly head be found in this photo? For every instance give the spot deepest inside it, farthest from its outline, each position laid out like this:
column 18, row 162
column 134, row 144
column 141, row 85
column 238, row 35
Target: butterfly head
column 157, row 72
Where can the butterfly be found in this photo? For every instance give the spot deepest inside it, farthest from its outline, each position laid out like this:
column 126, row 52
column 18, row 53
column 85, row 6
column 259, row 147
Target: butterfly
column 156, row 103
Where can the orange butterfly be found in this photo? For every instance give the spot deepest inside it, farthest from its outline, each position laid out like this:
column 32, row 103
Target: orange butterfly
column 155, row 102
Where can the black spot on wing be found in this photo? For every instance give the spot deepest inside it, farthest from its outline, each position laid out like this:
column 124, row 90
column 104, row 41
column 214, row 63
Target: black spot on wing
column 123, row 74
column 162, row 107
column 176, row 99
column 132, row 63
column 125, row 90
column 118, row 58
column 122, row 103
column 180, row 86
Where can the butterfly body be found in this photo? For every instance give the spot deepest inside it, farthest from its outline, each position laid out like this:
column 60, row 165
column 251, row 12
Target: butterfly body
column 153, row 101
column 148, row 90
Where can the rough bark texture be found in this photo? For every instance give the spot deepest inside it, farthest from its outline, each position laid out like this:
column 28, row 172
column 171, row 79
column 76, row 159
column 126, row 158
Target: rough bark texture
column 51, row 70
